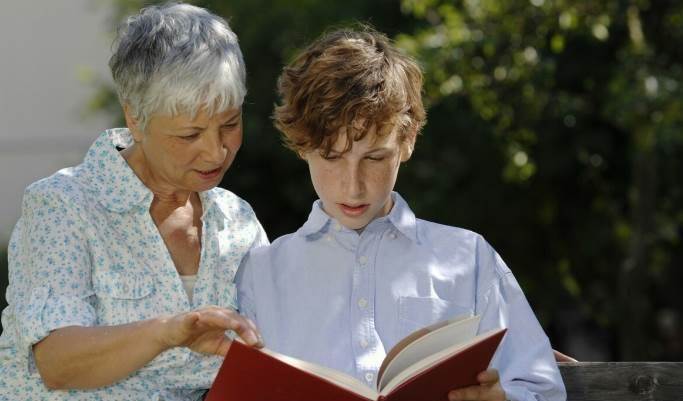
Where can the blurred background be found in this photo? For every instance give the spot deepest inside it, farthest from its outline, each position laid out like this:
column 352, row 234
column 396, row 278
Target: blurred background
column 555, row 129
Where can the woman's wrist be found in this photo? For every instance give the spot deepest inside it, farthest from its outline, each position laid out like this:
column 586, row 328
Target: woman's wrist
column 159, row 330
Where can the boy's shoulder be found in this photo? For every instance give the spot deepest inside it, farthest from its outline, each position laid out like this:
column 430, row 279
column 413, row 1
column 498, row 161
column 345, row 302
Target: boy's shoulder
column 434, row 234
column 275, row 250
column 451, row 240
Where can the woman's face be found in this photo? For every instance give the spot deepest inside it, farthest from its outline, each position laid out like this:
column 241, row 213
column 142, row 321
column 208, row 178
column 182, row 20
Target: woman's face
column 181, row 153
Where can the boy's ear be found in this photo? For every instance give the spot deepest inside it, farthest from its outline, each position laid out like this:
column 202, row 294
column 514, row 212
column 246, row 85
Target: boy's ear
column 407, row 147
column 132, row 123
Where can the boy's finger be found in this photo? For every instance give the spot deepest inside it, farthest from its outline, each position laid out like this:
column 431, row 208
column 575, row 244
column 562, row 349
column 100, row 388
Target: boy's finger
column 470, row 393
column 488, row 377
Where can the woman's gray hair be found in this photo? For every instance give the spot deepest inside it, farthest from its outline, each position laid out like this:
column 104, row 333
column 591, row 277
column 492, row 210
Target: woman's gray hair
column 177, row 58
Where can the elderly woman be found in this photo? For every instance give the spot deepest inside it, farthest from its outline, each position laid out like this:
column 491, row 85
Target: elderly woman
column 121, row 268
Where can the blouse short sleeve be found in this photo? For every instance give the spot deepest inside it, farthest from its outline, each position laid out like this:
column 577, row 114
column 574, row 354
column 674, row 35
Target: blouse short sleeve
column 51, row 278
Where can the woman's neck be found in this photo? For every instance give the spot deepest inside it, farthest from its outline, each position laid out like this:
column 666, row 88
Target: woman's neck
column 164, row 193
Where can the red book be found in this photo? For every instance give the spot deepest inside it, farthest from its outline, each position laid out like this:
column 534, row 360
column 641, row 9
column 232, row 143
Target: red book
column 424, row 366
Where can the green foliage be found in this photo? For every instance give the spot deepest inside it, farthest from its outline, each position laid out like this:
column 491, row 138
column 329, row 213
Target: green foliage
column 554, row 130
column 581, row 102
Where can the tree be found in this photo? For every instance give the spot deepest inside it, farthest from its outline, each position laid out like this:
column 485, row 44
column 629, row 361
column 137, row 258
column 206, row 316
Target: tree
column 554, row 130
column 583, row 100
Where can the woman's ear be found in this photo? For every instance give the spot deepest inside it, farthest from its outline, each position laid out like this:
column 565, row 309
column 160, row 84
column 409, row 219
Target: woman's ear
column 132, row 123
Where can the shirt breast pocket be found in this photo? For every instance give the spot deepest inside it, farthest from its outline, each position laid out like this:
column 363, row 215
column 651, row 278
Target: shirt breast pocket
column 417, row 312
column 125, row 297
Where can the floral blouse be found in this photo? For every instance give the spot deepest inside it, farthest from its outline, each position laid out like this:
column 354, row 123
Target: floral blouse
column 86, row 252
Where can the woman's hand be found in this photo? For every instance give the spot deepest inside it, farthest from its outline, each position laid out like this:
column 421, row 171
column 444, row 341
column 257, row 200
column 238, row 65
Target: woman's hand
column 203, row 330
column 77, row 357
column 489, row 389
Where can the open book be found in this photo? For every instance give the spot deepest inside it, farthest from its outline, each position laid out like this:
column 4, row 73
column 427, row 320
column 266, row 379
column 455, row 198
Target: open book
column 424, row 366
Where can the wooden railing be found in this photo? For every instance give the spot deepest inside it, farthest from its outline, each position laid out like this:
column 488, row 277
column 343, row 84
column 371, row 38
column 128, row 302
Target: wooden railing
column 623, row 381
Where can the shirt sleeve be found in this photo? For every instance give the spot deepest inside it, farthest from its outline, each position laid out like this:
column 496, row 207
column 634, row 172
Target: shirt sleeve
column 245, row 288
column 261, row 238
column 49, row 265
column 525, row 360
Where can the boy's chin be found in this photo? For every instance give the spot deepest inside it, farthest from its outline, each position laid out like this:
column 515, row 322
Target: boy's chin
column 353, row 224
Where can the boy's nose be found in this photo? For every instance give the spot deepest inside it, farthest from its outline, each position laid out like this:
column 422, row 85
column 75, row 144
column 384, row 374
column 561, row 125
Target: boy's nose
column 355, row 184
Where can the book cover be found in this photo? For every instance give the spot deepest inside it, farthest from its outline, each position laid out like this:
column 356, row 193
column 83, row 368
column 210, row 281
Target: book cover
column 250, row 374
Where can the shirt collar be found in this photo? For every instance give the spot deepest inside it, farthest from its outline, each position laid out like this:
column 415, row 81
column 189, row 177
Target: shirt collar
column 118, row 188
column 400, row 216
column 403, row 218
column 111, row 178
column 215, row 199
column 317, row 220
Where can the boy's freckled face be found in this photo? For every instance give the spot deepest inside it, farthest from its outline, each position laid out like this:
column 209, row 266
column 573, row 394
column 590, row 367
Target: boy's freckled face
column 355, row 187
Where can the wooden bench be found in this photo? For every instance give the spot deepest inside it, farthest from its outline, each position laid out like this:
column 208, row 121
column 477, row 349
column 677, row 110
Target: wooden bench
column 623, row 381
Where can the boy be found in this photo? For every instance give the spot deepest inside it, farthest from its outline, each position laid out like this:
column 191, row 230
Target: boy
column 363, row 272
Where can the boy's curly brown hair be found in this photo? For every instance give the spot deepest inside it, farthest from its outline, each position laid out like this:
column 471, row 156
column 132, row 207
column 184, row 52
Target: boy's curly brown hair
column 344, row 83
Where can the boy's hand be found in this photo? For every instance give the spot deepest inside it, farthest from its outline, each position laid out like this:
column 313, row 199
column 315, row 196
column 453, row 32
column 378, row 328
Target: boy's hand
column 489, row 389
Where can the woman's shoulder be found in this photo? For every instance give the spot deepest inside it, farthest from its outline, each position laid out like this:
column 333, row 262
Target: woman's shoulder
column 229, row 203
column 61, row 186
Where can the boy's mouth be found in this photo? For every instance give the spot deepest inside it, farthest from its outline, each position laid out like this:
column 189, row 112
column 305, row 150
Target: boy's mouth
column 353, row 210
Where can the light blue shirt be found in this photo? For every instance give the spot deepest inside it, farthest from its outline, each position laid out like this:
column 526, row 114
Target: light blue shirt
column 331, row 296
column 86, row 252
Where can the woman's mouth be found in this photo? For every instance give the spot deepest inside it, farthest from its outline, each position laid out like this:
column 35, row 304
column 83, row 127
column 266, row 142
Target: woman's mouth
column 353, row 210
column 209, row 174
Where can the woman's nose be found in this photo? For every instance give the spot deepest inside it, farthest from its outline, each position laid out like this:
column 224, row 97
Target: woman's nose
column 214, row 149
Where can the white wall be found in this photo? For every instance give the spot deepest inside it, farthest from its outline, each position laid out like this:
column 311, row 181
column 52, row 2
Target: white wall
column 45, row 49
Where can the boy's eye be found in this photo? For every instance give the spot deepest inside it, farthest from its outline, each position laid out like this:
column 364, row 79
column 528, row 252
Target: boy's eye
column 375, row 158
column 330, row 157
column 190, row 137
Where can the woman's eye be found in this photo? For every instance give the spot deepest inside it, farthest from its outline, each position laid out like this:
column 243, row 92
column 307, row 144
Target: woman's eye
column 330, row 157
column 375, row 158
column 229, row 127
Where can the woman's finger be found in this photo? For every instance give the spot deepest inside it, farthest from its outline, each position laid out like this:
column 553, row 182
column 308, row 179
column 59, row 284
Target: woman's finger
column 230, row 320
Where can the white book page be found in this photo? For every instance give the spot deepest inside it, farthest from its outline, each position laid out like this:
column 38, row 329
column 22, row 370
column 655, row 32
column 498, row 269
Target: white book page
column 341, row 379
column 458, row 332
column 430, row 361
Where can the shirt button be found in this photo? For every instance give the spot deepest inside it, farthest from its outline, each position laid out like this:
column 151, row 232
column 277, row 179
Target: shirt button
column 328, row 238
column 337, row 227
column 362, row 303
column 392, row 235
column 363, row 260
column 363, row 343
column 369, row 377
